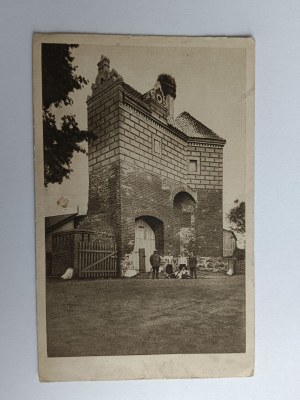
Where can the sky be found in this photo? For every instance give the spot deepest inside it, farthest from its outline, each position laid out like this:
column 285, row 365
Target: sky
column 210, row 86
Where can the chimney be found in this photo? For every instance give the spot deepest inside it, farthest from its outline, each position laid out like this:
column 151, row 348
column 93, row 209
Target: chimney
column 168, row 86
column 170, row 105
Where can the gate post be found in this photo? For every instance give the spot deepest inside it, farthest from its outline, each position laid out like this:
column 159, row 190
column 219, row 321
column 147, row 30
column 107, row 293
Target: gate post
column 76, row 241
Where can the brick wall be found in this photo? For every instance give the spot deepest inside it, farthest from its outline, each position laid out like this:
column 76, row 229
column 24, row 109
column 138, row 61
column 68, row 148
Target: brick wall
column 103, row 120
column 209, row 174
column 137, row 164
column 145, row 194
column 103, row 215
column 151, row 146
column 209, row 226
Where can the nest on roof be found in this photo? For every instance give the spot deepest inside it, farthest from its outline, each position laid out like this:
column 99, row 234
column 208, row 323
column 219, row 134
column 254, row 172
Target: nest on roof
column 168, row 84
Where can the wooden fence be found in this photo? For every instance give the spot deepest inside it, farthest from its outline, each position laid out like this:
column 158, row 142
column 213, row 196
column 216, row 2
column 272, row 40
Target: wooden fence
column 97, row 260
column 239, row 267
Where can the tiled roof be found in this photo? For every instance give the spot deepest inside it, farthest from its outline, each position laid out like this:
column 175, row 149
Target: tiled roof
column 194, row 128
column 135, row 95
column 130, row 90
column 57, row 220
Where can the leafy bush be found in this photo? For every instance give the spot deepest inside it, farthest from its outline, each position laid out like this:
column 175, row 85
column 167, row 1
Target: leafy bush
column 214, row 264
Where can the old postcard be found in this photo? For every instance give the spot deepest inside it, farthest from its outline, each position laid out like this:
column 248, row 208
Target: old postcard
column 144, row 159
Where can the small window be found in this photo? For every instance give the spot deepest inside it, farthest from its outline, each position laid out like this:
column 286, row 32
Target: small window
column 193, row 166
column 156, row 146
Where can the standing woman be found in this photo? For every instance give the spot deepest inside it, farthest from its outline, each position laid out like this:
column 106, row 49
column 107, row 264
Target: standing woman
column 182, row 262
column 169, row 264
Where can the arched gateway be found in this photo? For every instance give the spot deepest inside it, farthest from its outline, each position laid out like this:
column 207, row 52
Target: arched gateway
column 184, row 222
column 148, row 237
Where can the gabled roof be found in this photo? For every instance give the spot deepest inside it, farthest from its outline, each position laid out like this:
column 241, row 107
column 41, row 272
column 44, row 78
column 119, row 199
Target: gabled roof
column 56, row 221
column 194, row 128
column 135, row 95
column 133, row 92
column 184, row 123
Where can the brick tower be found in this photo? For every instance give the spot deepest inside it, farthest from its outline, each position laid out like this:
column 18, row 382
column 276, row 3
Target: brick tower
column 155, row 181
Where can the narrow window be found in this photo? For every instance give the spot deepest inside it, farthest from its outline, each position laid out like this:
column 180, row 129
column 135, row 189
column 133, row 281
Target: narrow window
column 193, row 166
column 156, row 146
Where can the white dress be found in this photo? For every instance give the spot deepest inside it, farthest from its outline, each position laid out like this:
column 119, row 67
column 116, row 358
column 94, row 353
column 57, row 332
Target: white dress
column 68, row 274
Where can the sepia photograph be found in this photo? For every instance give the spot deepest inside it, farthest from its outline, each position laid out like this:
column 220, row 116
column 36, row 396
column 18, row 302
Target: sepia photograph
column 144, row 206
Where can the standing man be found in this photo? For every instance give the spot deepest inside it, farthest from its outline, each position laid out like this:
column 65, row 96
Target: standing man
column 155, row 263
column 193, row 265
column 182, row 262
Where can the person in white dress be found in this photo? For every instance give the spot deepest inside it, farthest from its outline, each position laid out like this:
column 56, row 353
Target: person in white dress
column 169, row 264
column 182, row 262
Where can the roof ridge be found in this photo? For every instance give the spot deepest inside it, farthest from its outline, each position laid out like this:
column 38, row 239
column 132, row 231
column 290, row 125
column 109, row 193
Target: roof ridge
column 193, row 127
column 131, row 88
column 195, row 119
column 61, row 215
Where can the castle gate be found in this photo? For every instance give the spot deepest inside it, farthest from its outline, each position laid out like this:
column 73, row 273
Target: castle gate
column 148, row 237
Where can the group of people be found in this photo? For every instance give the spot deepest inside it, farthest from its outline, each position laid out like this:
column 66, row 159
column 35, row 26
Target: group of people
column 181, row 268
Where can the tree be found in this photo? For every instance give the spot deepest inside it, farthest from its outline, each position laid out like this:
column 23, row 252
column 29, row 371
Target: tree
column 236, row 217
column 59, row 79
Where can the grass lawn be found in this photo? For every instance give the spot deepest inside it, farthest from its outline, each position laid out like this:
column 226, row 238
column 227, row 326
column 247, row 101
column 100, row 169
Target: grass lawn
column 145, row 316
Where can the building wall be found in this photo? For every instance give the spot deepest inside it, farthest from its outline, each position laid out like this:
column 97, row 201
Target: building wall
column 207, row 181
column 103, row 215
column 151, row 181
column 210, row 222
column 141, row 137
column 210, row 173
column 146, row 194
column 229, row 243
column 136, row 167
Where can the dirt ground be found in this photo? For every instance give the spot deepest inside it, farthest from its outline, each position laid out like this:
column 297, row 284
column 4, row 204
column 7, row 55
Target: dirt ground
column 145, row 316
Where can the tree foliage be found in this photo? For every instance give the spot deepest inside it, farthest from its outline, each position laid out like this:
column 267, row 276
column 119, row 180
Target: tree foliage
column 59, row 80
column 237, row 217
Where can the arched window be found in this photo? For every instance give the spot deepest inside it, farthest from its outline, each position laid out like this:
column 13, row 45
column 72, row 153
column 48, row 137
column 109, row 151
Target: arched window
column 184, row 209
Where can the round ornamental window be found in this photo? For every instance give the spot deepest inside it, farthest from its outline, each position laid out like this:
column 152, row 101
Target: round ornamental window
column 158, row 98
